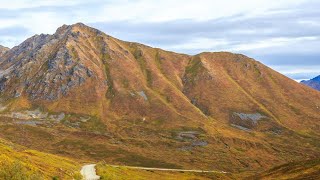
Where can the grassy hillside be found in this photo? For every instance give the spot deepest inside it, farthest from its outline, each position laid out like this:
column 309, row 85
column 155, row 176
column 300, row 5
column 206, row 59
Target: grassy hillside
column 309, row 169
column 18, row 163
column 123, row 173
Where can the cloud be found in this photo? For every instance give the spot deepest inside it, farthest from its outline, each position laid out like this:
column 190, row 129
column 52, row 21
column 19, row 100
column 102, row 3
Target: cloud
column 13, row 31
column 280, row 33
column 272, row 32
column 167, row 10
column 24, row 4
column 298, row 72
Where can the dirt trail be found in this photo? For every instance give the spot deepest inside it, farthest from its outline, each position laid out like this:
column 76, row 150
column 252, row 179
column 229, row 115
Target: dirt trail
column 89, row 172
column 175, row 170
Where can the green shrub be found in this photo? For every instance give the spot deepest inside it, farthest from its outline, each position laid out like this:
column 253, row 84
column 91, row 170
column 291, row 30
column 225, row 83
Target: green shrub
column 77, row 176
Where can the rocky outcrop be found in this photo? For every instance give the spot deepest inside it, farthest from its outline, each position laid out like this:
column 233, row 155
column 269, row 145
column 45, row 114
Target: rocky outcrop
column 43, row 67
column 3, row 50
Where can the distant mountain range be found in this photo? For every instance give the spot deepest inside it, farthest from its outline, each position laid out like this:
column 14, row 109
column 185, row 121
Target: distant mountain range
column 83, row 94
column 314, row 83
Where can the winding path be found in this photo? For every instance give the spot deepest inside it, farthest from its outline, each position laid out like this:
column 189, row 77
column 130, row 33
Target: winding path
column 89, row 172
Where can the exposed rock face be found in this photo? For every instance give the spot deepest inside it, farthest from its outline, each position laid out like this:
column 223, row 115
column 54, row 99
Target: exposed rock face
column 44, row 66
column 314, row 83
column 3, row 50
column 245, row 120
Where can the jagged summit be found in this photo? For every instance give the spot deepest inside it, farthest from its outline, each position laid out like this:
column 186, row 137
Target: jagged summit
column 76, row 28
column 313, row 83
column 49, row 62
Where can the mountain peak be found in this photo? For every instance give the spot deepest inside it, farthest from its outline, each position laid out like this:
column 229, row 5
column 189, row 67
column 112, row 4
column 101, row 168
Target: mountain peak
column 80, row 24
column 54, row 64
column 68, row 27
column 76, row 28
column 313, row 83
column 316, row 78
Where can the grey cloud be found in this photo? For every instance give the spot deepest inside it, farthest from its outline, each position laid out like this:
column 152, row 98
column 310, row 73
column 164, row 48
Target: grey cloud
column 241, row 29
column 236, row 30
column 293, row 66
column 302, row 75
column 66, row 10
column 14, row 31
column 289, row 59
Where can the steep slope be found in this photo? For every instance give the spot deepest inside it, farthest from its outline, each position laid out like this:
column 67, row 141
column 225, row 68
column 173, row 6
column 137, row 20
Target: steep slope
column 307, row 169
column 3, row 50
column 314, row 83
column 84, row 94
column 249, row 94
column 49, row 67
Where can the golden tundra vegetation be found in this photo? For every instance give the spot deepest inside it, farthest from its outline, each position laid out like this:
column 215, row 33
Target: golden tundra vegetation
column 124, row 173
column 84, row 95
column 17, row 162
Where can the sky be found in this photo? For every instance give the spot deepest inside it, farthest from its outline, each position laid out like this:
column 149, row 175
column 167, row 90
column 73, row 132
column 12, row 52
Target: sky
column 283, row 34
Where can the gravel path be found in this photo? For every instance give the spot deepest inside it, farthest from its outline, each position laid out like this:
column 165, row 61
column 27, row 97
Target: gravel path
column 89, row 172
column 174, row 170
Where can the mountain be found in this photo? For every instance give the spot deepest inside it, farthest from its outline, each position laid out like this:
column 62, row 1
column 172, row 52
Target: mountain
column 3, row 50
column 83, row 94
column 314, row 83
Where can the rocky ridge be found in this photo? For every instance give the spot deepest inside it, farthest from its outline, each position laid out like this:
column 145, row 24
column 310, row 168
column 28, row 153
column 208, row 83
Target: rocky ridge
column 43, row 67
column 3, row 50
